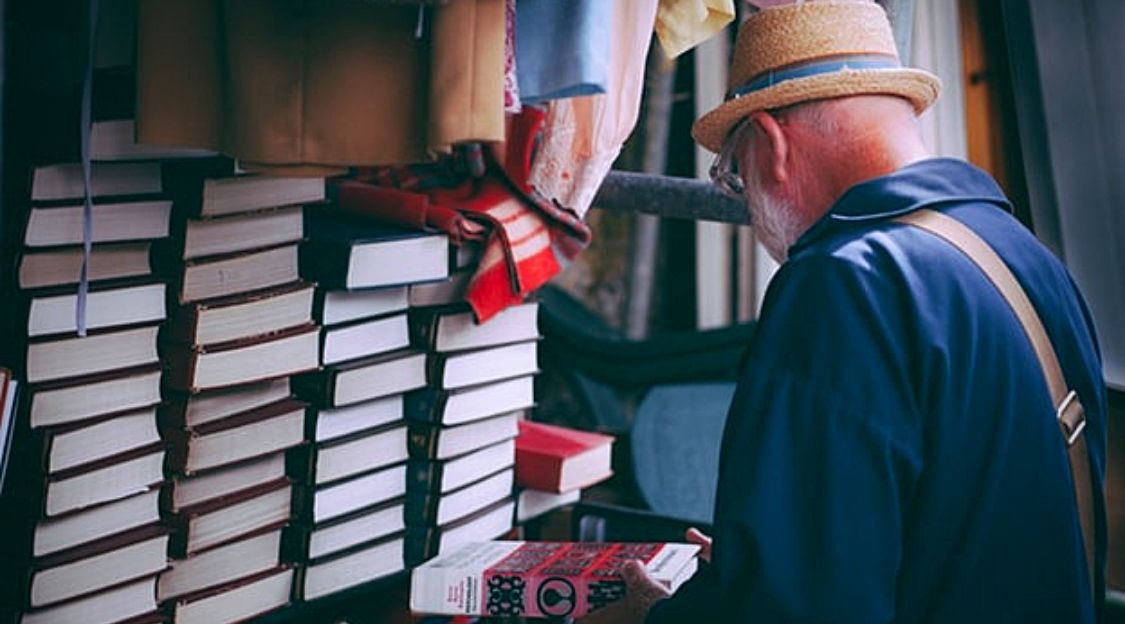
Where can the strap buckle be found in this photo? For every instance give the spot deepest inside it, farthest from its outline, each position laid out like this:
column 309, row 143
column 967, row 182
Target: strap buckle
column 1072, row 418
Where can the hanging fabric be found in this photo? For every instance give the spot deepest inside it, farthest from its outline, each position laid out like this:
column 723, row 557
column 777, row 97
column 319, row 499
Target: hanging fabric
column 562, row 47
column 467, row 74
column 310, row 88
column 683, row 24
column 582, row 136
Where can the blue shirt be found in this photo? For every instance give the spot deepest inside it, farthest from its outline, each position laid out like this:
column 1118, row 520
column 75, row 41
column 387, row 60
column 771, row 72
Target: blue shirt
column 891, row 454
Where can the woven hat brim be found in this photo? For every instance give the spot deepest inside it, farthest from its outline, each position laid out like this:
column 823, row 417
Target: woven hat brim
column 918, row 86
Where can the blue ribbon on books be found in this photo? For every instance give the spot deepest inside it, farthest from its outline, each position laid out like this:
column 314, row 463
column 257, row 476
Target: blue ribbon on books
column 88, row 202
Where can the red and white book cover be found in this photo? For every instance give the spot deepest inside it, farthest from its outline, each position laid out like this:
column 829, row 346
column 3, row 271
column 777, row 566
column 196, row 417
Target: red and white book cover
column 540, row 579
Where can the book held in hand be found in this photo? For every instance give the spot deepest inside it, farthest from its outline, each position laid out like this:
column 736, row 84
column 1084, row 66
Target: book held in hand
column 541, row 579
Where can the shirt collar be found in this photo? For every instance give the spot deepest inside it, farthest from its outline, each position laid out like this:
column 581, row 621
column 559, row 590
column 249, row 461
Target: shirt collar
column 921, row 184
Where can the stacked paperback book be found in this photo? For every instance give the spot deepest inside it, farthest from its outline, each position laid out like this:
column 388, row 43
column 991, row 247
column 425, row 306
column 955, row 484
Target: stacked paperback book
column 83, row 535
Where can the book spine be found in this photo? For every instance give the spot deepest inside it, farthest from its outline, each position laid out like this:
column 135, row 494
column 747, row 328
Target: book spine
column 423, row 330
column 425, row 405
column 180, row 373
column 300, row 464
column 177, row 450
column 317, row 387
column 182, row 324
column 424, row 476
column 295, row 539
column 422, row 508
column 422, row 442
column 325, row 263
column 421, row 544
column 538, row 471
column 435, row 370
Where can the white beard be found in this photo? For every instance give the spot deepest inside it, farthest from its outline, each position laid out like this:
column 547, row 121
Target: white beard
column 774, row 221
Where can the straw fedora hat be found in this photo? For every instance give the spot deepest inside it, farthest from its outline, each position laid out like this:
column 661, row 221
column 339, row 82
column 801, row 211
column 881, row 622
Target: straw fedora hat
column 811, row 51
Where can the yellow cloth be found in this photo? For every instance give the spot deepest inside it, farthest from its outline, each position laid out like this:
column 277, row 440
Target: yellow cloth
column 683, row 24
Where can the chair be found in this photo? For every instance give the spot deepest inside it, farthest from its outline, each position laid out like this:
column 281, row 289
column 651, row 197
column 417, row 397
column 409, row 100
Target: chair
column 665, row 398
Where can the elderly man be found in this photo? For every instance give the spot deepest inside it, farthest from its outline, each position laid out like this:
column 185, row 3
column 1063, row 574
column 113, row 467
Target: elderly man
column 899, row 449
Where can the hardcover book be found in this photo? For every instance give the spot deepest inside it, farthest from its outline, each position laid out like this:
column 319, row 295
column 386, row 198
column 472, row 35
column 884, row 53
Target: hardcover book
column 362, row 380
column 351, row 568
column 102, row 350
column 303, row 542
column 239, row 601
column 221, row 566
column 338, row 422
column 241, row 316
column 433, row 442
column 194, row 368
column 254, row 433
column 365, row 338
column 350, row 495
column 340, row 306
column 240, row 272
column 352, row 253
column 72, row 446
column 440, row 476
column 223, row 482
column 200, row 238
column 118, row 605
column 205, row 407
column 67, row 181
column 79, row 399
column 136, row 219
column 361, row 452
column 559, row 459
column 61, row 266
column 454, row 407
column 199, row 192
column 541, row 579
column 227, row 519
column 108, row 304
column 436, row 508
column 426, row 542
column 50, row 580
column 472, row 368
column 445, row 330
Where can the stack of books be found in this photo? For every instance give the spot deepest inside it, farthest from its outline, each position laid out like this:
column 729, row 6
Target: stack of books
column 241, row 325
column 480, row 384
column 83, row 536
column 354, row 468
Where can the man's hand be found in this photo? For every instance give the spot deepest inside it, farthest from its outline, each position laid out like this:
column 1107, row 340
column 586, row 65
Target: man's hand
column 641, row 592
column 695, row 536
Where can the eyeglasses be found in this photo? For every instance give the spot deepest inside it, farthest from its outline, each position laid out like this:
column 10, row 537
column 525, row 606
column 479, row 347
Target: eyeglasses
column 724, row 169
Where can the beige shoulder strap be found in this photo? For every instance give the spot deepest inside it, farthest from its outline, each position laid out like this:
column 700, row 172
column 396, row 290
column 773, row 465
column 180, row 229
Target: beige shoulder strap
column 1068, row 409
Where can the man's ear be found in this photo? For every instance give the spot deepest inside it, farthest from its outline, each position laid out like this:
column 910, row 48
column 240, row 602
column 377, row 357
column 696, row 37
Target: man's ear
column 771, row 155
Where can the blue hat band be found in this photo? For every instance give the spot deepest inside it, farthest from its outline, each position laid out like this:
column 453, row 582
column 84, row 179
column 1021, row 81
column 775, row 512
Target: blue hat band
column 815, row 68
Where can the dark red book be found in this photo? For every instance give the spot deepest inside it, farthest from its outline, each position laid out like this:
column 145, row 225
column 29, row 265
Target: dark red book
column 558, row 459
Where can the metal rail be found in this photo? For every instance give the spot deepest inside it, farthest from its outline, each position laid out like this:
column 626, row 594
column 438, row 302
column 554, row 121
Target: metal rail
column 669, row 197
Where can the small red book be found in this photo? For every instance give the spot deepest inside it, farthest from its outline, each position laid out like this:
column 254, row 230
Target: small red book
column 558, row 459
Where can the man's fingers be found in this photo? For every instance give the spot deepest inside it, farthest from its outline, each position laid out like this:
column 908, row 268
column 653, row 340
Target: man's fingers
column 695, row 536
column 638, row 580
